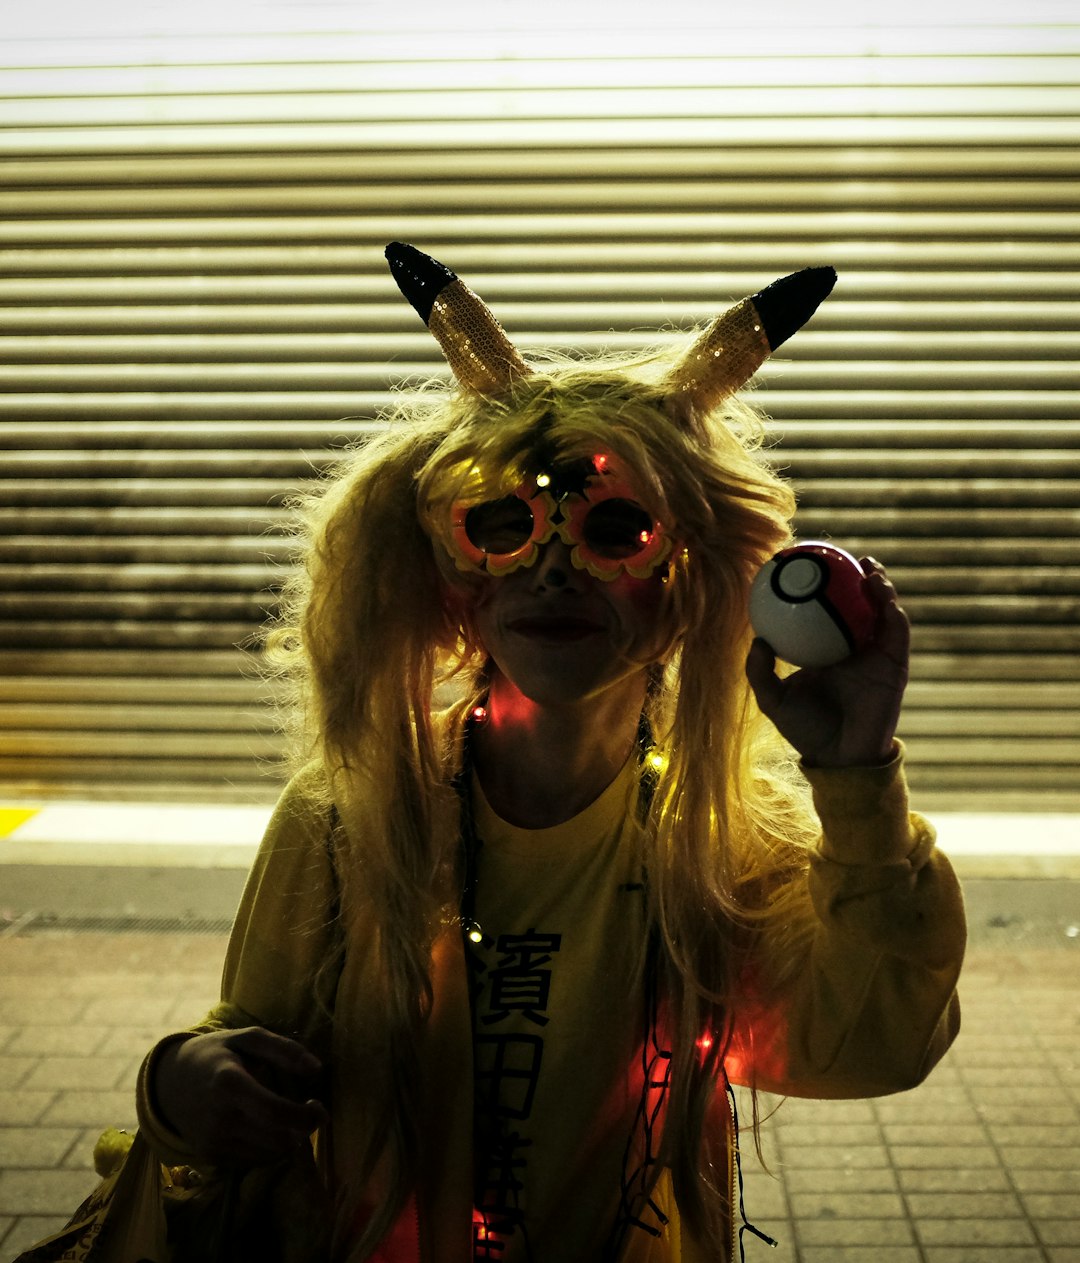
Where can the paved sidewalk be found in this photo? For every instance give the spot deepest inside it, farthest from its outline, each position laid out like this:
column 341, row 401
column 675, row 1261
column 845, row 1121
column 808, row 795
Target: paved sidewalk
column 980, row 1165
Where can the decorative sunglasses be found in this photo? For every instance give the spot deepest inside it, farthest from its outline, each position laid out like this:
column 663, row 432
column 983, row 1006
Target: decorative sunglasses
column 587, row 504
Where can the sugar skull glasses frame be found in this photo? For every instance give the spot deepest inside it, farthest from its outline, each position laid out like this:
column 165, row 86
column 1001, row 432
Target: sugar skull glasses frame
column 598, row 516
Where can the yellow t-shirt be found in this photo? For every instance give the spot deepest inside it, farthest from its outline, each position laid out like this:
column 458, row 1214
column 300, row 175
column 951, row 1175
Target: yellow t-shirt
column 559, row 1029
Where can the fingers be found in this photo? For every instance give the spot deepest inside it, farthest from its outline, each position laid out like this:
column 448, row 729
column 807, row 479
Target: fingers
column 288, row 1055
column 249, row 1095
column 254, row 1125
column 893, row 632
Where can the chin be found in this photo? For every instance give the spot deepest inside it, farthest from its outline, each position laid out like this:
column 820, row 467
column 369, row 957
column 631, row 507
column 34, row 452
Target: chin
column 569, row 682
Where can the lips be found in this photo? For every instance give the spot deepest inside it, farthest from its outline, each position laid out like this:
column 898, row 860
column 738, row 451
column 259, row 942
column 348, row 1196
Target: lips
column 558, row 628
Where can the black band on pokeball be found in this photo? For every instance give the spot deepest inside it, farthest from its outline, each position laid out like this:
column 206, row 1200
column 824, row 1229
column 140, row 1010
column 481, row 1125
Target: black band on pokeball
column 817, row 595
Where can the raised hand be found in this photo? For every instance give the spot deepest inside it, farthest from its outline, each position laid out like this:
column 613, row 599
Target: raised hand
column 844, row 715
column 242, row 1097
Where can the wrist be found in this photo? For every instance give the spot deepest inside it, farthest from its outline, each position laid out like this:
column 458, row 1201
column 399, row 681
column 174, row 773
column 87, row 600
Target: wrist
column 882, row 757
column 160, row 1077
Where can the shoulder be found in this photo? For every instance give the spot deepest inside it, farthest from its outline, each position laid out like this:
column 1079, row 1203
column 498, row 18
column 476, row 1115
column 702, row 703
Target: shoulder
column 304, row 807
column 307, row 792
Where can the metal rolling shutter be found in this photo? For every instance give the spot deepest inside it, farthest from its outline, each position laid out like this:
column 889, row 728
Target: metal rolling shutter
column 193, row 295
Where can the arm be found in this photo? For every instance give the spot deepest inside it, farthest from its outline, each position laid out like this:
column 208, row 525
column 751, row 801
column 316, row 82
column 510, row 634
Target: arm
column 241, row 1084
column 871, row 1006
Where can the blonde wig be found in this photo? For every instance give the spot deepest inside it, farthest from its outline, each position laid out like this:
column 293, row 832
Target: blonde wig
column 376, row 621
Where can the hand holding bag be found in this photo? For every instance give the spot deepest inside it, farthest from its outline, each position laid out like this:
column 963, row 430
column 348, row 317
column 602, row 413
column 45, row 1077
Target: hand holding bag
column 144, row 1212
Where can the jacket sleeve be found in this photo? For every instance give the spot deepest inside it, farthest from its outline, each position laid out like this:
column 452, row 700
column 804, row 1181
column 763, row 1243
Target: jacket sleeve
column 280, row 964
column 872, row 1004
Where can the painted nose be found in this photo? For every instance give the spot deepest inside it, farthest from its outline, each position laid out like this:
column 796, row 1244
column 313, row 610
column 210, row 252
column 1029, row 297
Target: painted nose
column 554, row 569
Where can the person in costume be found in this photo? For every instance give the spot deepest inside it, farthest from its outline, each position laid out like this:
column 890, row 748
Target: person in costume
column 548, row 879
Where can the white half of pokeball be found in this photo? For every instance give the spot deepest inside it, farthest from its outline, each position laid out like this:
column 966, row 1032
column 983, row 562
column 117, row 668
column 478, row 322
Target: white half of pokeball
column 788, row 609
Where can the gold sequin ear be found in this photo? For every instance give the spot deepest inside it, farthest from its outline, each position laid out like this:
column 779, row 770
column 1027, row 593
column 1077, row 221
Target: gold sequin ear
column 482, row 357
column 737, row 343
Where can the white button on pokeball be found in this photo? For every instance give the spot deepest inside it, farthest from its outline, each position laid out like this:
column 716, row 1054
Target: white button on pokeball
column 801, row 577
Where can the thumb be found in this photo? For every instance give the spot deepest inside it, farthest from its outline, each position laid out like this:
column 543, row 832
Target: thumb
column 761, row 674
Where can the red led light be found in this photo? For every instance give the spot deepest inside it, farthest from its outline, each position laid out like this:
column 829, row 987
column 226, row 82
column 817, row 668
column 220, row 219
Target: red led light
column 479, row 713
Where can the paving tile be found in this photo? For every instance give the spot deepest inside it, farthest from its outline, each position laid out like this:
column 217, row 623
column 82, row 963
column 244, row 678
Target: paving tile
column 1040, row 1101
column 1059, row 1232
column 853, row 1232
column 125, row 1041
column 759, row 1252
column 1036, row 1181
column 847, row 1205
column 1042, row 1157
column 13, row 1070
column 28, row 1230
column 857, row 1254
column 80, row 1156
column 828, row 1157
column 944, row 1157
column 189, row 1010
column 78, row 1073
column 1053, row 1205
column 976, row 1180
column 970, row 1232
column 5, row 1224
column 840, row 1182
column 765, row 1198
column 922, row 1134
column 35, row 1146
column 1029, row 1074
column 832, row 1112
column 91, row 1109
column 948, row 1105
column 42, row 1010
column 20, row 1109
column 825, row 1134
column 78, row 1040
column 142, row 1009
column 985, row 1254
column 952, row 1204
column 1007, row 1112
column 993, row 1055
column 945, row 1075
column 1034, row 1132
column 7, row 1033
column 44, row 1192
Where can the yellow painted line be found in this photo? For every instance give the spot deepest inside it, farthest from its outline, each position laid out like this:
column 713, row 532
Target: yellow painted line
column 11, row 818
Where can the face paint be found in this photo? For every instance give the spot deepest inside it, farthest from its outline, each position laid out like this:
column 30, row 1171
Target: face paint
column 587, row 504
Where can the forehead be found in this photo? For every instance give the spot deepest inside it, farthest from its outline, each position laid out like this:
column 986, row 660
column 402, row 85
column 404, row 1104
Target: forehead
column 564, row 477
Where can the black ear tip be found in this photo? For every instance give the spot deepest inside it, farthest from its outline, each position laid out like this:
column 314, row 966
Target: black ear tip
column 825, row 278
column 787, row 304
column 827, row 275
column 420, row 277
column 401, row 254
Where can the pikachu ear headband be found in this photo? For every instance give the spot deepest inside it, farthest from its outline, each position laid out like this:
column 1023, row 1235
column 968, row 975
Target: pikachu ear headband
column 723, row 359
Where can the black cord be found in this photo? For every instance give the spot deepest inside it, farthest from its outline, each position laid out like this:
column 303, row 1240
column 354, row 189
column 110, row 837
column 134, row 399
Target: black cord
column 746, row 1225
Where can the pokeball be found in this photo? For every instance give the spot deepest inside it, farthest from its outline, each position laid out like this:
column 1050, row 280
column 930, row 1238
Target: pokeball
column 808, row 602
